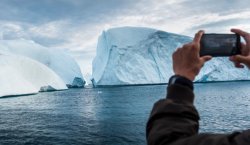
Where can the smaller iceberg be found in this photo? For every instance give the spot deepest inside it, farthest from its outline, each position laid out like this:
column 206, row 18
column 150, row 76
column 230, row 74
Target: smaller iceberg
column 21, row 75
column 58, row 61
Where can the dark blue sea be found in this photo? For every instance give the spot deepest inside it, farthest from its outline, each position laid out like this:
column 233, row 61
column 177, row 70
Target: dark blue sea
column 113, row 116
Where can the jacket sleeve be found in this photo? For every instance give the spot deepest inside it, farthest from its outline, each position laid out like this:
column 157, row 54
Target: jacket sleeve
column 175, row 121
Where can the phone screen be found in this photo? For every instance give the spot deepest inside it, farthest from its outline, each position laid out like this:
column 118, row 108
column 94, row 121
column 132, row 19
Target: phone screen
column 220, row 44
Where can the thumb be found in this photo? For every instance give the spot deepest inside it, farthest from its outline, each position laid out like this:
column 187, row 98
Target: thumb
column 241, row 59
column 206, row 58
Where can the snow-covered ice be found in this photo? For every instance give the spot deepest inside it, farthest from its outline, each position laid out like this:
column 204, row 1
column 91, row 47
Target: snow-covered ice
column 61, row 63
column 132, row 55
column 21, row 75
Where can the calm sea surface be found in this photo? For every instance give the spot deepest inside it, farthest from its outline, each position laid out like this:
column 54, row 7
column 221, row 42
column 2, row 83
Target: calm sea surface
column 113, row 116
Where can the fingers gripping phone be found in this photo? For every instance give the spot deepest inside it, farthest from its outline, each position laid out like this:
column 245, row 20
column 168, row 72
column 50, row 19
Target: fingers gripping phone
column 219, row 45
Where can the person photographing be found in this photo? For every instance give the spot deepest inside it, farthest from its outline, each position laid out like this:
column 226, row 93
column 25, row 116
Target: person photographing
column 175, row 120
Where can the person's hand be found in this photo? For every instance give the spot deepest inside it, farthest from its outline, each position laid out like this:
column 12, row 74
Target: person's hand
column 187, row 61
column 244, row 58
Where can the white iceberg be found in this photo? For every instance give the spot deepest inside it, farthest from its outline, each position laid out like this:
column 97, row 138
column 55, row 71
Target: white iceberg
column 131, row 55
column 21, row 75
column 221, row 69
column 61, row 63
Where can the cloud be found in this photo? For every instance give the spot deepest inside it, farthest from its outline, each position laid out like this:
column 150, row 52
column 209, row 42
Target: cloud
column 74, row 25
column 222, row 24
column 42, row 11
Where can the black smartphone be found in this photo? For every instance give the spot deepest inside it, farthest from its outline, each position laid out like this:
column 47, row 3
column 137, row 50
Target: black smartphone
column 219, row 45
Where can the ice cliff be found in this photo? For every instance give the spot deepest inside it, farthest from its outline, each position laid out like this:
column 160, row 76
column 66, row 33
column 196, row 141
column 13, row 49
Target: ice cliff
column 61, row 63
column 131, row 55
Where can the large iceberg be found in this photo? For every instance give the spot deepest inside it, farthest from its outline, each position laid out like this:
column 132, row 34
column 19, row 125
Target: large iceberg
column 132, row 55
column 21, row 75
column 61, row 63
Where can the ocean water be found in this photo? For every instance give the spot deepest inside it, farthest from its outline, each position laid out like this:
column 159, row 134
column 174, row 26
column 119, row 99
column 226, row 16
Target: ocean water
column 113, row 116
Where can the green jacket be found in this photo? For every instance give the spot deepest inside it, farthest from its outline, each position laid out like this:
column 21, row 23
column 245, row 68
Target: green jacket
column 175, row 121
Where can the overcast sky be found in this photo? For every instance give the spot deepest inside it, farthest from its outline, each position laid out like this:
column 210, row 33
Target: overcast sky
column 74, row 25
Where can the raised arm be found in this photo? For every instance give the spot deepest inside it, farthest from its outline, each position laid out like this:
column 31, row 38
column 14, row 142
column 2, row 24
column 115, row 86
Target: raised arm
column 174, row 120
